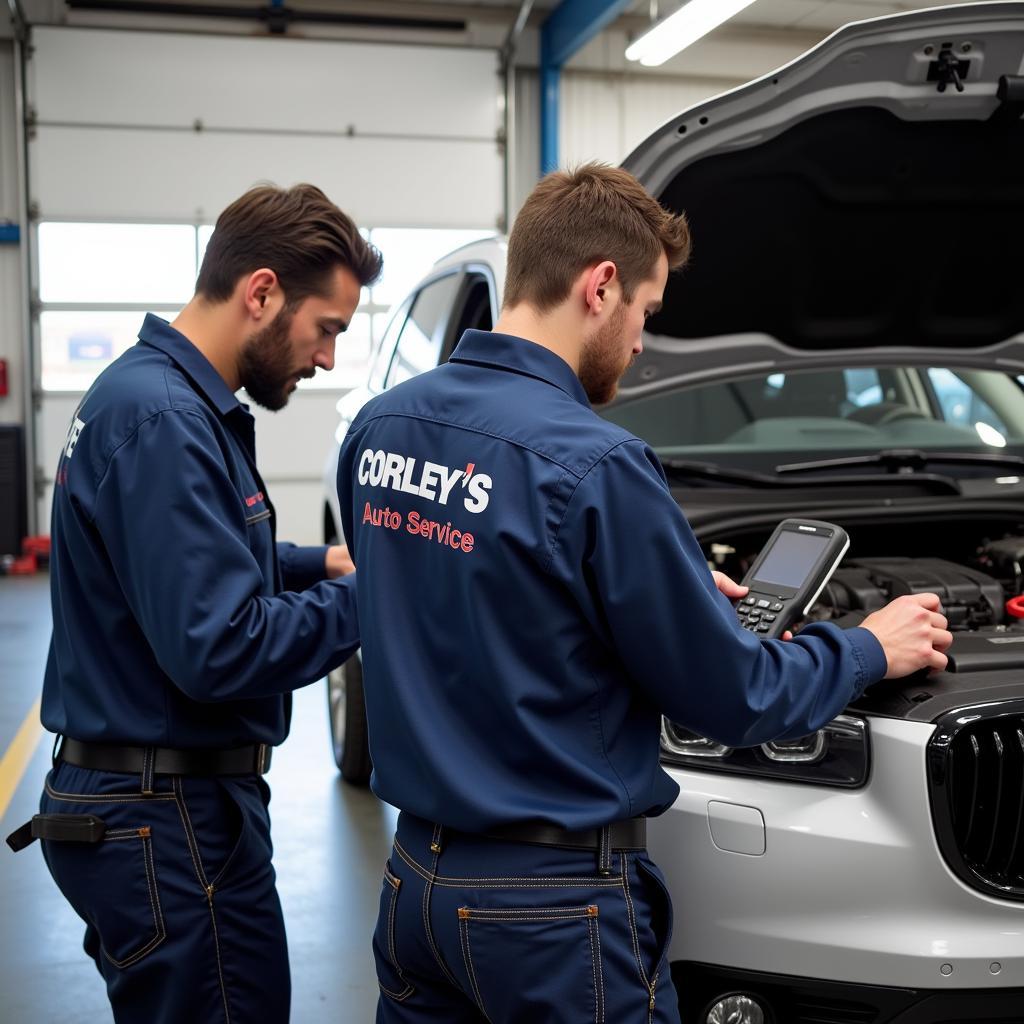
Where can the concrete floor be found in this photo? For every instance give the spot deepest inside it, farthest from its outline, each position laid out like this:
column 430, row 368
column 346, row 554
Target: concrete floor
column 330, row 843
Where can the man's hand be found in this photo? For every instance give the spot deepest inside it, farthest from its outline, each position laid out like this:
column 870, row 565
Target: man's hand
column 338, row 562
column 732, row 590
column 912, row 631
column 728, row 586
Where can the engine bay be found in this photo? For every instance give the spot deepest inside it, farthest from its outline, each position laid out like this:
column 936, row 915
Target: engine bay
column 982, row 573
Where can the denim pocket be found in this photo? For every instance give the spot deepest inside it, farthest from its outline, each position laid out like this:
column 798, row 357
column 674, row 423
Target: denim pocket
column 545, row 957
column 389, row 974
column 113, row 886
column 660, row 909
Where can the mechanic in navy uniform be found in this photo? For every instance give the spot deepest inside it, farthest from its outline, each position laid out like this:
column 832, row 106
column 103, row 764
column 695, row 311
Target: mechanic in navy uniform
column 180, row 625
column 532, row 599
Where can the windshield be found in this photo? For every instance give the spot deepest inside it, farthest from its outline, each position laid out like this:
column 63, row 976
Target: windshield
column 863, row 409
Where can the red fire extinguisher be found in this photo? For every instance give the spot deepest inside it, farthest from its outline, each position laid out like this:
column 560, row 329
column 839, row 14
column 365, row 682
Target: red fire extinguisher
column 3, row 378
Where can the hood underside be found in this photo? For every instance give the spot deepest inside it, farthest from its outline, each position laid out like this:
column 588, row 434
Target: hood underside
column 868, row 195
column 856, row 229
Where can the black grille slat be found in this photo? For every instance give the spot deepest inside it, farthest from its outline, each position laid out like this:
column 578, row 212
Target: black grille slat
column 1015, row 855
column 995, row 805
column 972, row 765
column 977, row 794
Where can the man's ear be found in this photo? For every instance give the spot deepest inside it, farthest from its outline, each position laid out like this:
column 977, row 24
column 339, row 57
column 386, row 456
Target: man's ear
column 259, row 287
column 599, row 278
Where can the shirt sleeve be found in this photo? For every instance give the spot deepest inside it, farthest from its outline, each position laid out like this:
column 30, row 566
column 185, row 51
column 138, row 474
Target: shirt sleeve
column 175, row 533
column 640, row 576
column 301, row 567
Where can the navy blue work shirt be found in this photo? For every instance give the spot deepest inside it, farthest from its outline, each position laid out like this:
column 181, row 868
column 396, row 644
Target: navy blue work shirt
column 532, row 600
column 177, row 619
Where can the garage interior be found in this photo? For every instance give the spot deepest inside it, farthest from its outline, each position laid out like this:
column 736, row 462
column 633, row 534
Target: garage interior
column 125, row 127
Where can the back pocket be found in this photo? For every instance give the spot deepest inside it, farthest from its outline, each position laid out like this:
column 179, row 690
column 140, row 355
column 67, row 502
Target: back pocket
column 389, row 974
column 547, row 958
column 112, row 885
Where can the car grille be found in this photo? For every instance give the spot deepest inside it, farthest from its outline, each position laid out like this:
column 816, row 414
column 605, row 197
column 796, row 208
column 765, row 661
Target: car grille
column 976, row 783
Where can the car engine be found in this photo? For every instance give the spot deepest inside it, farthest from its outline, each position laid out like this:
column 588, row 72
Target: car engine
column 974, row 599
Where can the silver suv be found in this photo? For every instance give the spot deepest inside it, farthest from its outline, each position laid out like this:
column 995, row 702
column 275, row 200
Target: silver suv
column 847, row 345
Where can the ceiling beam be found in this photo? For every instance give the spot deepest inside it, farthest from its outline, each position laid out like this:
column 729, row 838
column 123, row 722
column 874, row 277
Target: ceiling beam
column 570, row 26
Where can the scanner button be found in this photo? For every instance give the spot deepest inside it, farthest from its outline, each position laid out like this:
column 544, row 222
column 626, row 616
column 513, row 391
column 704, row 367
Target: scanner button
column 762, row 603
column 769, row 618
column 747, row 601
column 777, row 607
column 763, row 627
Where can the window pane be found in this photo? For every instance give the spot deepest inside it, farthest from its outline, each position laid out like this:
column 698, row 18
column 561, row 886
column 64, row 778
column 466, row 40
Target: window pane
column 409, row 253
column 76, row 346
column 384, row 351
column 117, row 263
column 861, row 410
column 420, row 344
column 351, row 357
column 960, row 402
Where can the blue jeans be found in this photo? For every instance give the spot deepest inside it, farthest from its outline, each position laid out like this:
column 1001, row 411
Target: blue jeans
column 181, row 910
column 480, row 930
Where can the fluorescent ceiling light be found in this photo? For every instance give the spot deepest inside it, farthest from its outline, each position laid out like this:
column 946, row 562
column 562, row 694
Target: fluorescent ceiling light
column 692, row 21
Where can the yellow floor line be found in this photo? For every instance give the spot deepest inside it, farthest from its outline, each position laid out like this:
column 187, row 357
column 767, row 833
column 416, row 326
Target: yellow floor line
column 18, row 755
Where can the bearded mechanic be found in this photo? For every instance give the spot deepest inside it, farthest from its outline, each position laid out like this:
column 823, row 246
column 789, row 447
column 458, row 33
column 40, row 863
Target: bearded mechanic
column 180, row 626
column 514, row 691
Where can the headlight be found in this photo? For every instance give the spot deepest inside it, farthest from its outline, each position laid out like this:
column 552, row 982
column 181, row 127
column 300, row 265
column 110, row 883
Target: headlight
column 837, row 755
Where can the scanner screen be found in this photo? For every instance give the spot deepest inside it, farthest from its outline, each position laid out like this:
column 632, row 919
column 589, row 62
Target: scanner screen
column 791, row 558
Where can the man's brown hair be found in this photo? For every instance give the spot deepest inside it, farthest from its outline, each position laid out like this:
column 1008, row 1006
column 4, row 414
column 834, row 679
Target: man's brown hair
column 297, row 232
column 575, row 219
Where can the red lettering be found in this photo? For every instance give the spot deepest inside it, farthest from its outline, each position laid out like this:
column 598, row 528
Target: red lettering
column 382, row 517
column 419, row 526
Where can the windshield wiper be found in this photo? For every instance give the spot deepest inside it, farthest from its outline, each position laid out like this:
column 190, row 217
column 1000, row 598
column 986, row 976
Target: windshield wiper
column 715, row 474
column 721, row 474
column 907, row 460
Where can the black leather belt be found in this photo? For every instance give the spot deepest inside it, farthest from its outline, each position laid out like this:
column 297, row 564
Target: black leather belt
column 251, row 760
column 628, row 834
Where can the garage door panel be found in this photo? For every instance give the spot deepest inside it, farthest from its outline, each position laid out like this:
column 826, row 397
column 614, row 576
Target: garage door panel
column 172, row 79
column 155, row 176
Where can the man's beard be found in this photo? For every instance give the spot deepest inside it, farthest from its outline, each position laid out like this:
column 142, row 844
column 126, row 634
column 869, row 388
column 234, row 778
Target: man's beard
column 265, row 365
column 601, row 361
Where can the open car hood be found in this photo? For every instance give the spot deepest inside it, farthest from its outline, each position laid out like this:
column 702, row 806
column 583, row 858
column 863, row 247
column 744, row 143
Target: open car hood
column 855, row 206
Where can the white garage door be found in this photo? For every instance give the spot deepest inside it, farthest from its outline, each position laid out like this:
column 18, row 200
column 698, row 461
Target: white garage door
column 158, row 129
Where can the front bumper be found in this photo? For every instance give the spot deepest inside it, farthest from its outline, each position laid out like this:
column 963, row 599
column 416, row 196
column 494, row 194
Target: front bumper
column 791, row 1000
column 848, row 885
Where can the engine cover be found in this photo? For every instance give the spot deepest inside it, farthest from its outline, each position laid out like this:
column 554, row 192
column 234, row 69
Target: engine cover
column 970, row 599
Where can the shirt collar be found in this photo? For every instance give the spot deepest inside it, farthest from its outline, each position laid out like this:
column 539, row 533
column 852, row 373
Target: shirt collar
column 160, row 334
column 518, row 355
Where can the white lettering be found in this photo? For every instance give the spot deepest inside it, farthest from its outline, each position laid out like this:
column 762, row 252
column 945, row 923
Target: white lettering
column 479, row 485
column 407, row 485
column 449, row 478
column 431, row 474
column 73, row 434
column 432, row 481
column 392, row 470
column 376, row 468
column 364, row 461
